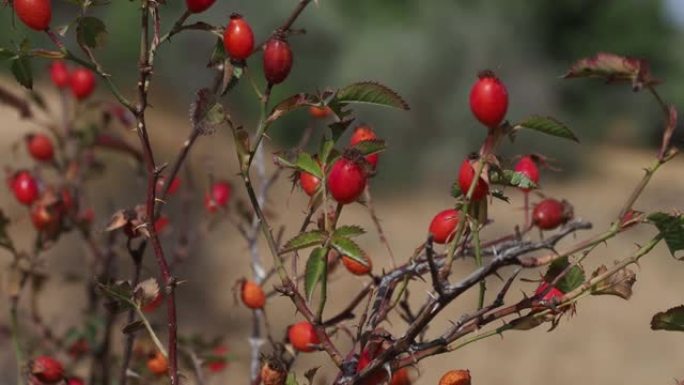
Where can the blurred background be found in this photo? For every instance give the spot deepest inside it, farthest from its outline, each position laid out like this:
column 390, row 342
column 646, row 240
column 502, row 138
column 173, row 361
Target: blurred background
column 430, row 53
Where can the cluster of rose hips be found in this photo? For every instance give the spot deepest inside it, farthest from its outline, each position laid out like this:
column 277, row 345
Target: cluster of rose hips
column 489, row 103
column 47, row 370
column 238, row 41
column 81, row 81
column 50, row 205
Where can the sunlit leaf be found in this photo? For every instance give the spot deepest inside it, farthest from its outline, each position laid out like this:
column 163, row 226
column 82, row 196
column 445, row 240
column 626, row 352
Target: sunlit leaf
column 672, row 229
column 547, row 125
column 304, row 240
column 672, row 319
column 315, row 270
column 371, row 93
column 91, row 32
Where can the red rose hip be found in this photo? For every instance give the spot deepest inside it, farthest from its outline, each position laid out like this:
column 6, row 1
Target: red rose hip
column 25, row 187
column 465, row 179
column 346, row 181
column 320, row 112
column 489, row 99
column 303, row 337
column 364, row 133
column 82, row 82
column 253, row 295
column 549, row 214
column 552, row 293
column 309, row 183
column 75, row 381
column 197, row 6
column 218, row 362
column 443, row 226
column 528, row 167
column 42, row 217
column 238, row 38
column 355, row 267
column 40, row 147
column 59, row 74
column 218, row 196
column 47, row 369
column 36, row 14
column 277, row 60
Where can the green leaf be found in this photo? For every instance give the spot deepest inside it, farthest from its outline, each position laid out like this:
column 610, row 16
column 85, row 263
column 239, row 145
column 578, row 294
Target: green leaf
column 305, row 162
column 349, row 231
column 21, row 69
column 327, row 146
column 672, row 319
column 291, row 379
column 6, row 54
column 547, row 125
column 316, row 267
column 613, row 68
column 349, row 248
column 672, row 229
column 120, row 295
column 218, row 55
column 91, row 32
column 133, row 327
column 511, row 178
column 304, row 240
column 572, row 280
column 368, row 147
column 456, row 190
column 371, row 93
column 338, row 128
column 498, row 194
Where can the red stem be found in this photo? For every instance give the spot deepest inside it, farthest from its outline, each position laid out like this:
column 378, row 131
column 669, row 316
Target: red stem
column 148, row 157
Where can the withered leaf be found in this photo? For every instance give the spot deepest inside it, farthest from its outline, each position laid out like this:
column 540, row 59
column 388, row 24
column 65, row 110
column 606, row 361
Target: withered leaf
column 619, row 284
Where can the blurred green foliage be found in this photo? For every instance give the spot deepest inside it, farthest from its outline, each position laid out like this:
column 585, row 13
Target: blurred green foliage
column 429, row 51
